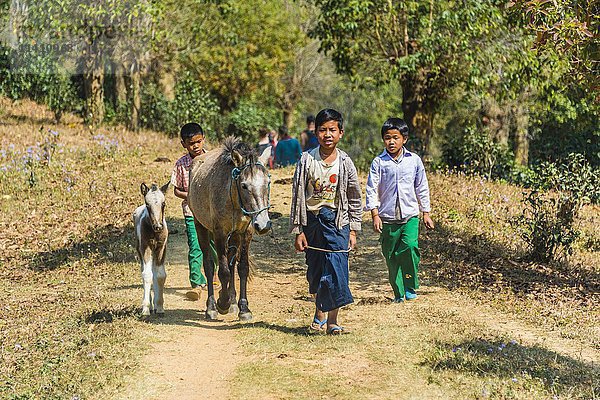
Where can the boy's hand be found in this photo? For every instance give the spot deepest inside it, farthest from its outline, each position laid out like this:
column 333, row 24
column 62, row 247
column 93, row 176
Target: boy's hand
column 352, row 241
column 377, row 224
column 428, row 221
column 300, row 243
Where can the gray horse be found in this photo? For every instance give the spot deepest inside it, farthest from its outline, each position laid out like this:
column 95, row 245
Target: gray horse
column 151, row 235
column 229, row 197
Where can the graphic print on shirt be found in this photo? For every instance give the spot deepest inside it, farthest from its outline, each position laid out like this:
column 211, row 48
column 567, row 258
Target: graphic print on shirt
column 322, row 184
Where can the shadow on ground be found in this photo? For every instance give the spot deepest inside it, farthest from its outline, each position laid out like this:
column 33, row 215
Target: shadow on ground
column 454, row 259
column 521, row 364
column 108, row 243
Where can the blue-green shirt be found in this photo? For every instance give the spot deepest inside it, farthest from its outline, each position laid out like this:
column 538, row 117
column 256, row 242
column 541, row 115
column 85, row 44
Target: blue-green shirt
column 287, row 152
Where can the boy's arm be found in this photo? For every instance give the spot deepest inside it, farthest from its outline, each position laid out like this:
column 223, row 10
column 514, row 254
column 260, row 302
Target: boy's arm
column 354, row 198
column 422, row 191
column 297, row 187
column 176, row 181
column 372, row 201
column 180, row 193
column 422, row 188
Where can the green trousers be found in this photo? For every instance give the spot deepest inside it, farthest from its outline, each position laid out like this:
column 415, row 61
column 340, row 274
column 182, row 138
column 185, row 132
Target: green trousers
column 195, row 256
column 400, row 247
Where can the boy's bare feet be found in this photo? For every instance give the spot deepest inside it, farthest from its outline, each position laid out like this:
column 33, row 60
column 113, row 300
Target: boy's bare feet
column 194, row 294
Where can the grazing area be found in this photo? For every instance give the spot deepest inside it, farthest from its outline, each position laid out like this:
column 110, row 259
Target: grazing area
column 487, row 324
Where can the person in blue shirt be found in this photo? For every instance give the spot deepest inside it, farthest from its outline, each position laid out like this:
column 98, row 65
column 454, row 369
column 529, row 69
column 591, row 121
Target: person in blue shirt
column 397, row 190
column 288, row 150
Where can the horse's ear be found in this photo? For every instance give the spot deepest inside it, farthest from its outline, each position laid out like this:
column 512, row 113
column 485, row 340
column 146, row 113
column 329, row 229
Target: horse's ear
column 237, row 158
column 144, row 189
column 264, row 157
column 164, row 188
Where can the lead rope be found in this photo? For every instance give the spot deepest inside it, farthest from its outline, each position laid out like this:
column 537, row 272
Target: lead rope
column 235, row 174
column 328, row 251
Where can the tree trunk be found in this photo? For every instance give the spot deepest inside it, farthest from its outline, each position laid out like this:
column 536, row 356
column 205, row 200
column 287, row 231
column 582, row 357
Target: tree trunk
column 418, row 114
column 166, row 81
column 94, row 89
column 288, row 118
column 520, row 138
column 120, row 95
column 134, row 97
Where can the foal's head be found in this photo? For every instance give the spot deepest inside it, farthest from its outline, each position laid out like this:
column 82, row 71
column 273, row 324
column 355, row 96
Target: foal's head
column 154, row 197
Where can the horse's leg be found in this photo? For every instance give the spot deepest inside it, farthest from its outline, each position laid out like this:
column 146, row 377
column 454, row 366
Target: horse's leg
column 244, row 270
column 146, row 280
column 232, row 251
column 160, row 276
column 209, row 269
column 223, row 302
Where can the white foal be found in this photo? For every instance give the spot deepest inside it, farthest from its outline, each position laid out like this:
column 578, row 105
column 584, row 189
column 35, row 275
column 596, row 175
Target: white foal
column 151, row 235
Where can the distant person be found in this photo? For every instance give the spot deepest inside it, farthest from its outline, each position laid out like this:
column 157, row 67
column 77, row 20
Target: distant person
column 326, row 213
column 266, row 139
column 396, row 186
column 288, row 150
column 308, row 138
column 192, row 139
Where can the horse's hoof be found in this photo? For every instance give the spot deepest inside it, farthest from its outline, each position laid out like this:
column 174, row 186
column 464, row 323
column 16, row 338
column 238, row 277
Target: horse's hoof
column 245, row 316
column 211, row 315
column 145, row 312
column 234, row 309
column 222, row 309
column 160, row 313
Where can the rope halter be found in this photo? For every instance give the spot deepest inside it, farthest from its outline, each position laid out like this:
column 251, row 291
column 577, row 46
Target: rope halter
column 236, row 172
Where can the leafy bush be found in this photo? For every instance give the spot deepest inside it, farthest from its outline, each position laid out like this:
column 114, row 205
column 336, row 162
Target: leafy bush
column 29, row 74
column 247, row 118
column 559, row 190
column 191, row 103
column 476, row 153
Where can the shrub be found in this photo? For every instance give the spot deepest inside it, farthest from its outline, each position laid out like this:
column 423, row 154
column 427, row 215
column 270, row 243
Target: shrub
column 191, row 103
column 559, row 190
column 247, row 118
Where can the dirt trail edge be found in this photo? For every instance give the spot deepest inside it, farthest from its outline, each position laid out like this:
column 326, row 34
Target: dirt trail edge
column 189, row 357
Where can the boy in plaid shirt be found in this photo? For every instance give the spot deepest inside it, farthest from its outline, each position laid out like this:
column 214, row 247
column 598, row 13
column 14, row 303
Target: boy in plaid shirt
column 192, row 139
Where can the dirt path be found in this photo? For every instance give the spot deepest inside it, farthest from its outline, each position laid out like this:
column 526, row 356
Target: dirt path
column 191, row 358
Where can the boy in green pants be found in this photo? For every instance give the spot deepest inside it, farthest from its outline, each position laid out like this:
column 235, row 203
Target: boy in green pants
column 192, row 139
column 396, row 186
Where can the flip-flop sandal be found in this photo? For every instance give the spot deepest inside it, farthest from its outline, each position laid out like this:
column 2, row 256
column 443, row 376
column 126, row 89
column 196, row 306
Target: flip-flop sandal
column 317, row 325
column 336, row 330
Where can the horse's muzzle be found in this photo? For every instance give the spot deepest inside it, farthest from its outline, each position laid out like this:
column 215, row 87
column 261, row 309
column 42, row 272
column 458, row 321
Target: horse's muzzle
column 261, row 230
column 157, row 228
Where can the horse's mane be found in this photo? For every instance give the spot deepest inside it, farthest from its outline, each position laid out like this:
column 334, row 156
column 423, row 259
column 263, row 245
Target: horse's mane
column 232, row 143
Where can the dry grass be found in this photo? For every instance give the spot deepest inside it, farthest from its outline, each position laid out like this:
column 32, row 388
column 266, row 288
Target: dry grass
column 67, row 328
column 69, row 287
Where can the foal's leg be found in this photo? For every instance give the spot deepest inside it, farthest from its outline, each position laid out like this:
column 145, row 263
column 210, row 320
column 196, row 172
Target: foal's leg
column 209, row 269
column 160, row 276
column 146, row 262
column 244, row 270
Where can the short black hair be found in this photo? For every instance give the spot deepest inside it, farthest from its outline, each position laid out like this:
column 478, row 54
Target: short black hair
column 310, row 119
column 329, row 114
column 394, row 123
column 190, row 130
column 282, row 130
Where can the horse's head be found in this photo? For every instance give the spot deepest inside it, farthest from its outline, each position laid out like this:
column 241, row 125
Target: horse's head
column 154, row 197
column 253, row 182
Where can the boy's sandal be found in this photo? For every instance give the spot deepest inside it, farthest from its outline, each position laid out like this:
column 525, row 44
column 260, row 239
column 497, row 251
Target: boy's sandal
column 317, row 325
column 336, row 330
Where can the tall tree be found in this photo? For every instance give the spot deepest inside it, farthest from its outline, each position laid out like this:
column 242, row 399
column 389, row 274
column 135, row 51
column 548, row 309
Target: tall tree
column 428, row 46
